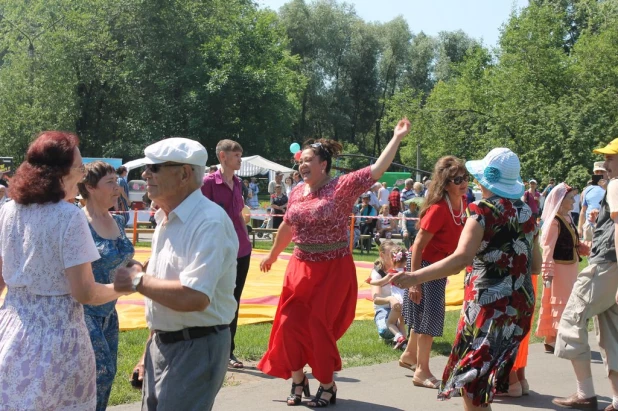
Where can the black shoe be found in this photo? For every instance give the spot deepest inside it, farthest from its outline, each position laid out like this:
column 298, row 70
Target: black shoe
column 295, row 399
column 319, row 402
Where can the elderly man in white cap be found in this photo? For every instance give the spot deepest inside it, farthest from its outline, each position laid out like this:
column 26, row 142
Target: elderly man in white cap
column 594, row 295
column 189, row 282
column 591, row 201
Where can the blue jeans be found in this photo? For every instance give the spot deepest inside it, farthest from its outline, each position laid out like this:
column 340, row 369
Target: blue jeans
column 381, row 320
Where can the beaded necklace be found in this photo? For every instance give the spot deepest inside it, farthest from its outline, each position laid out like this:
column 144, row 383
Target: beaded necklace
column 461, row 211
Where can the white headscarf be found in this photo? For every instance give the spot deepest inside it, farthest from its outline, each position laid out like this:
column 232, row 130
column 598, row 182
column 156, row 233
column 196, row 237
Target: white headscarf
column 551, row 207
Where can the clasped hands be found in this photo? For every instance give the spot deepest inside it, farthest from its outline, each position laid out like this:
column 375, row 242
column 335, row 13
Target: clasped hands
column 123, row 280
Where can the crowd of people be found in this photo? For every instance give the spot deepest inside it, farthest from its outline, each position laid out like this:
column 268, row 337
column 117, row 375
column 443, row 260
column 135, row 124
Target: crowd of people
column 65, row 267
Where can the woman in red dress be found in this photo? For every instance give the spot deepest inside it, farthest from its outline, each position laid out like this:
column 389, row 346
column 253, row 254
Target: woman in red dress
column 318, row 300
column 441, row 224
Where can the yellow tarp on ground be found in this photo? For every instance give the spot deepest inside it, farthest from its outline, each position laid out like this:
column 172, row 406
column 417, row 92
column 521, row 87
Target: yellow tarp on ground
column 261, row 294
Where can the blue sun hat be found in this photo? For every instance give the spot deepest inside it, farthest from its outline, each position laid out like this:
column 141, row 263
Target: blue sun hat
column 499, row 173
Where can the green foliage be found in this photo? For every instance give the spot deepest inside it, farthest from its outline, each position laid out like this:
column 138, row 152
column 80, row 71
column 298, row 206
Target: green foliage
column 548, row 93
column 125, row 73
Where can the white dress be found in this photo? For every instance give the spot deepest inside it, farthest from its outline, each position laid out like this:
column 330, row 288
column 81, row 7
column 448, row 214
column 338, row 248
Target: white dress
column 46, row 358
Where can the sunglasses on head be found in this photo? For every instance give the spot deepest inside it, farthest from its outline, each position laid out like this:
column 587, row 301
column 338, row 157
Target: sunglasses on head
column 460, row 179
column 155, row 168
column 321, row 149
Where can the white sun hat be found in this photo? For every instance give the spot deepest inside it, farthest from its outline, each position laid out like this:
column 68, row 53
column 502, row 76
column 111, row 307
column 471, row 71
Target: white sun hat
column 499, row 173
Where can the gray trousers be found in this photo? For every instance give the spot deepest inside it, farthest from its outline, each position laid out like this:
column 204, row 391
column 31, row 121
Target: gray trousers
column 593, row 295
column 186, row 375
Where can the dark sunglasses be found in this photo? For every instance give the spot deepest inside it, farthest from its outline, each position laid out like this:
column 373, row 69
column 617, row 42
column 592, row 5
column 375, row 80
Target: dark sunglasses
column 155, row 168
column 460, row 179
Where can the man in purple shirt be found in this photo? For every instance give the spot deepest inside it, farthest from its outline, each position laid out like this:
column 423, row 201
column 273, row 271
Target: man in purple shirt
column 225, row 189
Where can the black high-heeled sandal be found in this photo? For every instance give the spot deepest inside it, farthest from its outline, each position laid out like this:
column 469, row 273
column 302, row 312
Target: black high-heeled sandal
column 319, row 402
column 295, row 399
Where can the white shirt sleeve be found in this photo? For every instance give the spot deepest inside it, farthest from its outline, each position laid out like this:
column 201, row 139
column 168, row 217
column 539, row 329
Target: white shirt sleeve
column 77, row 245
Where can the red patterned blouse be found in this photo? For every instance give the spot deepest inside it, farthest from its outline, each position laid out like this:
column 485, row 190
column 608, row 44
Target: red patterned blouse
column 322, row 217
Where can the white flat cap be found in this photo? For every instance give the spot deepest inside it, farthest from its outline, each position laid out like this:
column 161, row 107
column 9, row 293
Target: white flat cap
column 176, row 150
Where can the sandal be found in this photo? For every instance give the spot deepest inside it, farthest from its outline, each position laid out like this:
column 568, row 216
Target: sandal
column 432, row 383
column 403, row 364
column 295, row 399
column 234, row 363
column 319, row 402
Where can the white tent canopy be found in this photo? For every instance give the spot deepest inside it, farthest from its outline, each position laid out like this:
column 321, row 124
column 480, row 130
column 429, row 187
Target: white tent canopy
column 259, row 165
column 250, row 166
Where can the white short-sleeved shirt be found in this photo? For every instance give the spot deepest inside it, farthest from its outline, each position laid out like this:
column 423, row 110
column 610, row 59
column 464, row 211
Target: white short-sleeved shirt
column 197, row 245
column 385, row 290
column 39, row 241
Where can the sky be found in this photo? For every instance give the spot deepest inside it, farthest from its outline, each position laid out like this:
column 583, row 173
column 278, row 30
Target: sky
column 480, row 19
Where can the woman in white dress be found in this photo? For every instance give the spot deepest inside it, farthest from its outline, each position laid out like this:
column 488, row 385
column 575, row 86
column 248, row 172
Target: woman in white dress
column 46, row 358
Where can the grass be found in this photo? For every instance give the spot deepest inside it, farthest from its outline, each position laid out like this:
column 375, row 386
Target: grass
column 359, row 346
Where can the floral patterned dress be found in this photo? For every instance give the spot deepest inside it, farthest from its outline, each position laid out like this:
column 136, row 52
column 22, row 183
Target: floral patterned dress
column 498, row 302
column 102, row 320
column 46, row 358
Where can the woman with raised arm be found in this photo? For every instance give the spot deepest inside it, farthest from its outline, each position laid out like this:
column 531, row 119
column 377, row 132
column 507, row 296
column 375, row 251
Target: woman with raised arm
column 318, row 299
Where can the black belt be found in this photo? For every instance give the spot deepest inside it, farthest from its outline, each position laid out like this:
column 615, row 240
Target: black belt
column 188, row 333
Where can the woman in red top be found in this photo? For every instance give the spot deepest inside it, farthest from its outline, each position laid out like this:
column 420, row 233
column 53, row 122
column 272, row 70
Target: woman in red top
column 318, row 300
column 441, row 223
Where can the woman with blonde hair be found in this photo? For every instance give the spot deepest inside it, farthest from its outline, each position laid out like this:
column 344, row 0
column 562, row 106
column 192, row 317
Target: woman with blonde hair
column 442, row 217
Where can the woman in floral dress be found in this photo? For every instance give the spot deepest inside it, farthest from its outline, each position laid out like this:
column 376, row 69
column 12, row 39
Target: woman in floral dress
column 318, row 299
column 100, row 189
column 46, row 358
column 499, row 240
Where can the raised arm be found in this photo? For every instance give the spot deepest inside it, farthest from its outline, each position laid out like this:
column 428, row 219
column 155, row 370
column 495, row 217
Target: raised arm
column 387, row 156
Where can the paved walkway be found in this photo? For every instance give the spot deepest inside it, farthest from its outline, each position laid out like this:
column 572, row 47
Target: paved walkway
column 387, row 387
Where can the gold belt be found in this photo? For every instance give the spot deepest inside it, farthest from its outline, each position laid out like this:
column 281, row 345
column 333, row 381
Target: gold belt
column 320, row 248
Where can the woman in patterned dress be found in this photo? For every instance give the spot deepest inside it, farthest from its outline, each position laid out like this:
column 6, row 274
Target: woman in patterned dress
column 100, row 189
column 46, row 358
column 499, row 240
column 318, row 299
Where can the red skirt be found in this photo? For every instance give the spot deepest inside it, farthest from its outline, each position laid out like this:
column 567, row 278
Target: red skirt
column 316, row 307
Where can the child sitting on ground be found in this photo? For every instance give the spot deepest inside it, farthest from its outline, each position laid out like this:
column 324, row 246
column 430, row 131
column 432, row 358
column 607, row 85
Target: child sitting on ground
column 393, row 260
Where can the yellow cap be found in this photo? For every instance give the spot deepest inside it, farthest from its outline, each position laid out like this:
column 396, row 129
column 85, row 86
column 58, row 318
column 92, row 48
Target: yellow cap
column 611, row 148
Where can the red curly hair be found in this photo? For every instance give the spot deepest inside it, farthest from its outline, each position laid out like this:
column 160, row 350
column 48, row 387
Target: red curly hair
column 38, row 180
